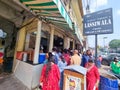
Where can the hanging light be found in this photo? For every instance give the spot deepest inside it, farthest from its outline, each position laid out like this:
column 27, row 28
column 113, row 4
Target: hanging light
column 1, row 33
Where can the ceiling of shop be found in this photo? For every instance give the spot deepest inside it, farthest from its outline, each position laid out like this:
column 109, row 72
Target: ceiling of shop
column 13, row 12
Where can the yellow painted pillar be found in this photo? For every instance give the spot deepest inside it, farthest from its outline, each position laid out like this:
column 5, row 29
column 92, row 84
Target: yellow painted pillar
column 66, row 42
column 37, row 44
column 21, row 39
column 51, row 38
column 19, row 44
column 73, row 44
column 27, row 41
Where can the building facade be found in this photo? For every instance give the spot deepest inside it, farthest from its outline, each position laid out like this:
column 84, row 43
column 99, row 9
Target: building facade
column 39, row 25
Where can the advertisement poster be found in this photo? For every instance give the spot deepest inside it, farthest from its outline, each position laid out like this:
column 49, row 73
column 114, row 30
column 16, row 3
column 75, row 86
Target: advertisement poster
column 73, row 83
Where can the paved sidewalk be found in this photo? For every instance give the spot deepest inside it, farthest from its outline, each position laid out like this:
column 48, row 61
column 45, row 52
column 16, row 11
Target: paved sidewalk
column 104, row 69
column 10, row 82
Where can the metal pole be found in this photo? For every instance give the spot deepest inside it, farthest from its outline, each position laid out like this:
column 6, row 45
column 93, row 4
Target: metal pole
column 95, row 46
column 103, row 43
column 87, row 12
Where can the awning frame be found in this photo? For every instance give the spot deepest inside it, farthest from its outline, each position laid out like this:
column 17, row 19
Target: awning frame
column 55, row 12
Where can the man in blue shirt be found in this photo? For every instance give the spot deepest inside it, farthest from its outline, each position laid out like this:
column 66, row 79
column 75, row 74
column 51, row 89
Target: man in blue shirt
column 85, row 58
column 55, row 54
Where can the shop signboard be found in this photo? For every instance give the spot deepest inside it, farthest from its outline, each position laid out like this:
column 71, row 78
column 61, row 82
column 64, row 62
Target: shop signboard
column 100, row 22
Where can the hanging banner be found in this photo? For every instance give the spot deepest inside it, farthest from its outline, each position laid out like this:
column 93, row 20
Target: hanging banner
column 100, row 22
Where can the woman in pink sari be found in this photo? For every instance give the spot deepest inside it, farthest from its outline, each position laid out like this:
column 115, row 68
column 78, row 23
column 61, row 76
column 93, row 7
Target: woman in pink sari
column 93, row 76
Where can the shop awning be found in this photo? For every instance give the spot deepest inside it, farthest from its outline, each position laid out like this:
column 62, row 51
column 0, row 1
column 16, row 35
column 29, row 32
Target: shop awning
column 51, row 10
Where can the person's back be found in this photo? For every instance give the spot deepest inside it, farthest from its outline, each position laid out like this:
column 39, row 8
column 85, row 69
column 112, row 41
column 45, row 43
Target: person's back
column 61, row 64
column 100, row 58
column 50, row 77
column 51, row 81
column 55, row 54
column 85, row 58
column 75, row 59
column 67, row 58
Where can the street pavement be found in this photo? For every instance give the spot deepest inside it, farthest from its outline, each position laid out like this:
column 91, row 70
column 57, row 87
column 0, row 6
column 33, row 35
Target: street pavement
column 10, row 82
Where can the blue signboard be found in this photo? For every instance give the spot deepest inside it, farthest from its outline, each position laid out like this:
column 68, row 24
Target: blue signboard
column 100, row 22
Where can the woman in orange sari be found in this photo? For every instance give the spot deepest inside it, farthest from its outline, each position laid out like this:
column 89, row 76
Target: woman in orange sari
column 93, row 76
column 50, row 75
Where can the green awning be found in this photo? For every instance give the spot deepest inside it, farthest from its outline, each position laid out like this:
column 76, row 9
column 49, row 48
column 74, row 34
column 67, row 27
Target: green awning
column 52, row 10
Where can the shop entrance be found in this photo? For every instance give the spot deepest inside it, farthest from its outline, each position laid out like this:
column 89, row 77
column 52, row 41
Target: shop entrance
column 8, row 34
column 44, row 43
column 71, row 44
column 58, row 42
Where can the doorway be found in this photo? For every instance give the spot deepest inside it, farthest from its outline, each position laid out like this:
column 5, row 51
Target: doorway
column 7, row 43
column 58, row 42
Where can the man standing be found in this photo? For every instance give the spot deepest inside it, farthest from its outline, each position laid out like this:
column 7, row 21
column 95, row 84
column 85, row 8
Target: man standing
column 85, row 58
column 55, row 54
column 75, row 59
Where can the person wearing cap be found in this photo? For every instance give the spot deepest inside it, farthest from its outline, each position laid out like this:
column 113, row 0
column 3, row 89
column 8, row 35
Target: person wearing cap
column 92, row 75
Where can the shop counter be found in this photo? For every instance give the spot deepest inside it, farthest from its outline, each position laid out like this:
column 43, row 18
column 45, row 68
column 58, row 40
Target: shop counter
column 28, row 74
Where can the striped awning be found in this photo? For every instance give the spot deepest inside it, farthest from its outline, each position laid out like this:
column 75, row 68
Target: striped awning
column 51, row 10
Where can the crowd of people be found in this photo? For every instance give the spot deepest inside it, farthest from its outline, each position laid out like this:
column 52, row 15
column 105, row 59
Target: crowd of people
column 52, row 72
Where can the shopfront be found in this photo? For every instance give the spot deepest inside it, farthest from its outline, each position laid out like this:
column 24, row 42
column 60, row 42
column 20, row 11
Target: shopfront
column 33, row 41
column 37, row 37
column 7, row 43
column 58, row 42
column 28, row 50
column 44, row 44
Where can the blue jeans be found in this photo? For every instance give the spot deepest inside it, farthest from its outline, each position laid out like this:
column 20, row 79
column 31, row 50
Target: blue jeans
column 61, row 80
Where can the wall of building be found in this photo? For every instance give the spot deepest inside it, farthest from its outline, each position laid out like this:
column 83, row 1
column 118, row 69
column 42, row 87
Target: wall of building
column 16, row 16
column 10, row 14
